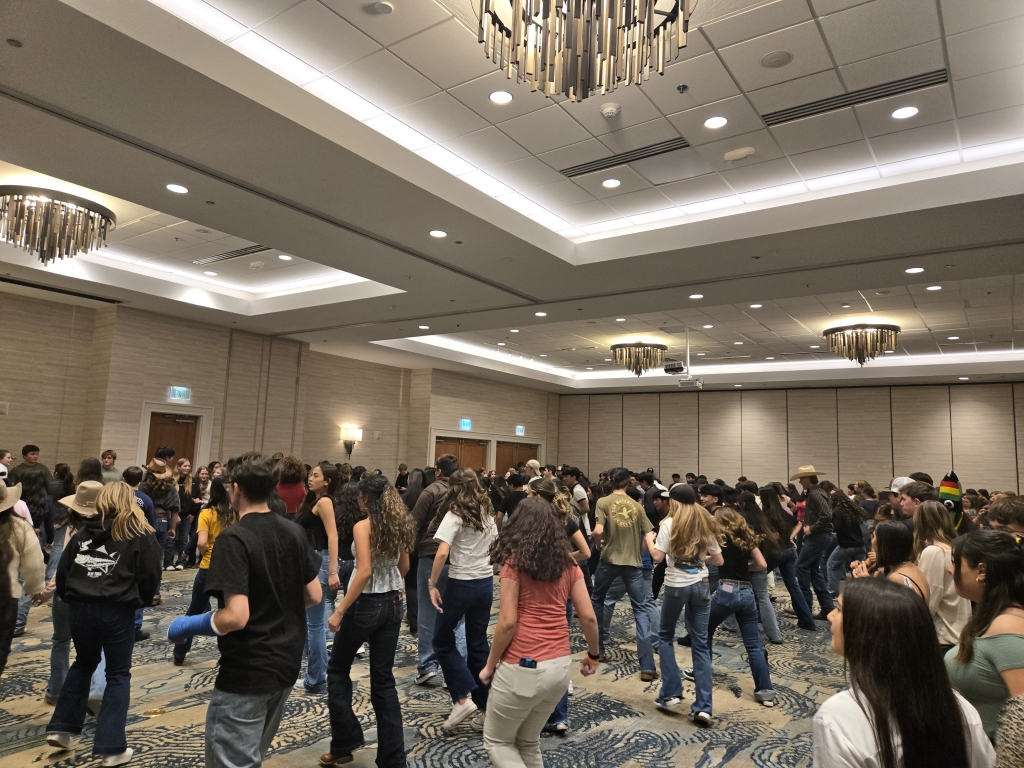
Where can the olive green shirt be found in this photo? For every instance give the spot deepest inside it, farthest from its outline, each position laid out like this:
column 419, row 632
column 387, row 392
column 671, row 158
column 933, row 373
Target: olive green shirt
column 625, row 525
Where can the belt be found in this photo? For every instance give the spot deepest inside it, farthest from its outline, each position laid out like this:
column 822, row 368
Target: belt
column 735, row 582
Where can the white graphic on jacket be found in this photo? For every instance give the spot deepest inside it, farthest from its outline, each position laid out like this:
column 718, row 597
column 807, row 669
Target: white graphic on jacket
column 97, row 562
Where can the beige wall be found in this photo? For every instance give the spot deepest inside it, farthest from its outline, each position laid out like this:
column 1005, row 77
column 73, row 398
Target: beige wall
column 869, row 433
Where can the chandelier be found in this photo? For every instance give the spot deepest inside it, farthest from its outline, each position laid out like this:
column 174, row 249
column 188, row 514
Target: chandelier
column 862, row 342
column 639, row 356
column 579, row 47
column 53, row 224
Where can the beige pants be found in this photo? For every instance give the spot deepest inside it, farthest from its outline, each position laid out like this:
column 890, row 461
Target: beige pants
column 518, row 706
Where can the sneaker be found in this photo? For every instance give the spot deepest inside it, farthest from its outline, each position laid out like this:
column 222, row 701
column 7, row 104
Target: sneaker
column 49, row 701
column 140, row 635
column 169, row 568
column 761, row 697
column 477, row 722
column 459, row 713
column 688, row 673
column 649, row 677
column 178, row 662
column 424, row 677
column 179, row 567
column 668, row 704
column 685, row 641
column 19, row 632
column 701, row 718
column 61, row 740
column 559, row 729
column 119, row 759
column 822, row 615
column 770, row 703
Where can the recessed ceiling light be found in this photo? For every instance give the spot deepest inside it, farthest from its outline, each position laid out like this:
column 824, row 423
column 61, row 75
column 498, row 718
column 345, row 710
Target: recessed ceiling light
column 964, row 378
column 715, row 122
column 620, row 319
column 203, row 231
column 696, row 295
column 700, row 354
column 501, row 343
column 500, row 97
column 438, row 233
column 177, row 188
column 610, row 183
column 953, row 338
column 540, row 314
column 846, row 306
column 815, row 346
column 737, row 385
column 755, row 306
column 211, row 274
column 914, row 270
column 607, row 359
column 904, row 112
column 383, row 8
column 709, row 326
column 769, row 358
column 513, row 330
column 424, row 327
column 590, row 369
column 543, row 355
column 737, row 343
column 890, row 352
column 284, row 257
column 934, row 288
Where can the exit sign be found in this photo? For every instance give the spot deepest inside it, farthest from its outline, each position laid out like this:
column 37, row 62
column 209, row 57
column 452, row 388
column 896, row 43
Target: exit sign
column 180, row 394
column 465, row 425
column 520, row 430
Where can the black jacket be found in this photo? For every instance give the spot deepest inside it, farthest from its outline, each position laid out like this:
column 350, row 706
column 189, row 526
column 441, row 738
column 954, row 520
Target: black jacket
column 818, row 511
column 94, row 568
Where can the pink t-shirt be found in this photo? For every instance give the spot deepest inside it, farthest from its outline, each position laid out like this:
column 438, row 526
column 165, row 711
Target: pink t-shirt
column 542, row 633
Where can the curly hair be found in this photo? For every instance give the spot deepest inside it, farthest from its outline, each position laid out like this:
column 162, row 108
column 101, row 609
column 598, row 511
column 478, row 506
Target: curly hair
column 533, row 541
column 735, row 529
column 117, row 503
column 291, row 470
column 392, row 529
column 557, row 498
column 467, row 500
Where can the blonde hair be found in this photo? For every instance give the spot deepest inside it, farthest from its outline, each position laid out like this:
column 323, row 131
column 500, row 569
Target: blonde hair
column 932, row 524
column 735, row 529
column 117, row 503
column 692, row 528
column 177, row 468
column 559, row 499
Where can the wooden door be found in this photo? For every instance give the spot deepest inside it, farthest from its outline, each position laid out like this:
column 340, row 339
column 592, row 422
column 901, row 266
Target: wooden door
column 504, row 457
column 473, row 454
column 443, row 445
column 175, row 430
column 525, row 452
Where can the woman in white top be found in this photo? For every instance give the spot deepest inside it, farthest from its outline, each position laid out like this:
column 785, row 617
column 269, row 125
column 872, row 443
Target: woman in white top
column 466, row 533
column 899, row 711
column 933, row 545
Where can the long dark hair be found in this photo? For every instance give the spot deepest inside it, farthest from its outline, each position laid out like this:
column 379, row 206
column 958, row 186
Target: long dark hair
column 1003, row 557
column 33, row 493
column 90, row 469
column 898, row 676
column 759, row 522
column 347, row 512
column 62, row 474
column 414, row 488
column 220, row 503
column 331, row 476
column 429, row 476
column 780, row 518
column 392, row 529
column 467, row 500
column 894, row 545
column 533, row 541
column 842, row 507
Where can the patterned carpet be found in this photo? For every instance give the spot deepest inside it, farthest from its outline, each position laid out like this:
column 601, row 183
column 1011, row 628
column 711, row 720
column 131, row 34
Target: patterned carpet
column 612, row 716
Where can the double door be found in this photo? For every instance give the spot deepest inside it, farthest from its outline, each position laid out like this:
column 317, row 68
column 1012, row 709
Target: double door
column 509, row 454
column 472, row 453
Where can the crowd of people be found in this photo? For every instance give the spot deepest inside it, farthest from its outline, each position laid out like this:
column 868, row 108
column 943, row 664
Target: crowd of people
column 922, row 587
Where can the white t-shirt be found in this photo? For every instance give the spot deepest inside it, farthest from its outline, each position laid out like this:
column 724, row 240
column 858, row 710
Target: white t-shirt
column 843, row 737
column 470, row 549
column 579, row 493
column 683, row 574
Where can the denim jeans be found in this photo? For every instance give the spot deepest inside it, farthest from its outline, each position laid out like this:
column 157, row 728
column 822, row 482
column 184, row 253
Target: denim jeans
column 107, row 628
column 316, row 633
column 637, row 589
column 838, row 563
column 376, row 619
column 24, row 603
column 809, row 571
column 468, row 600
column 345, row 568
column 765, row 609
column 696, row 598
column 785, row 561
column 426, row 616
column 181, row 542
column 166, row 544
column 240, row 727
column 561, row 711
column 616, row 593
column 200, row 604
column 739, row 601
column 55, row 551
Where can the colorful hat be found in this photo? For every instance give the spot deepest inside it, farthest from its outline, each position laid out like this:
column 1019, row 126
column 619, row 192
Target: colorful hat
column 951, row 493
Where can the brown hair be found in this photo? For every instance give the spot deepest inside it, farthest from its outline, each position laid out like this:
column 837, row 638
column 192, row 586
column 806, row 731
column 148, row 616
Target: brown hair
column 467, row 500
column 735, row 529
column 291, row 470
column 534, row 542
column 559, row 500
column 920, row 491
column 932, row 524
column 108, row 454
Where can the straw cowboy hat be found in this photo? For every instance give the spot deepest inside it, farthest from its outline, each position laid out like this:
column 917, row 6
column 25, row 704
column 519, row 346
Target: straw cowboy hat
column 159, row 468
column 9, row 496
column 84, row 499
column 807, row 470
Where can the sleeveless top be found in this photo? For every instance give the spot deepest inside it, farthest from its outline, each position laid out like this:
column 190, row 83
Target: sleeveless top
column 314, row 529
column 385, row 576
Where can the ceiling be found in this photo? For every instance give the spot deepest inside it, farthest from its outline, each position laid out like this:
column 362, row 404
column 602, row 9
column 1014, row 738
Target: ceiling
column 159, row 101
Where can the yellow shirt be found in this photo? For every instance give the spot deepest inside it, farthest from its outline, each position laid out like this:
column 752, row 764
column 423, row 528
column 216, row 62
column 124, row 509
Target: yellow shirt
column 209, row 522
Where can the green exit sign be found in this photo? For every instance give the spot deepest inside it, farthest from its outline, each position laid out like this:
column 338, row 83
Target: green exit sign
column 179, row 394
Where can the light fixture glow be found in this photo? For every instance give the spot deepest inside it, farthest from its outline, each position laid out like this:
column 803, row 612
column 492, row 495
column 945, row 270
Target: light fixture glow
column 341, row 98
column 543, row 355
column 755, row 306
column 696, row 295
column 715, row 122
column 934, row 288
column 610, row 183
column 904, row 112
column 211, row 274
column 890, row 351
column 709, row 326
column 639, row 356
column 862, row 342
column 275, row 58
column 607, row 359
column 590, row 369
column 500, row 97
column 737, row 385
column 513, row 330
column 53, row 224
column 284, row 257
column 540, row 314
column 769, row 358
column 177, row 189
column 203, row 16
column 964, row 378
column 399, row 132
column 914, row 270
column 815, row 346
column 501, row 343
column 438, row 233
column 700, row 354
column 620, row 319
column 953, row 338
column 445, row 160
column 738, row 343
column 486, row 184
column 424, row 327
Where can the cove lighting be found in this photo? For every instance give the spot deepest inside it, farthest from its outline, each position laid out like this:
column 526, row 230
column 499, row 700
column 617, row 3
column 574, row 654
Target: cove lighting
column 500, row 97
column 737, row 385
column 513, row 330
column 715, row 122
column 709, row 326
column 438, row 233
column 501, row 343
column 610, row 183
column 738, row 343
column 769, row 358
column 755, row 306
column 700, row 354
column 890, row 352
column 953, row 338
column 540, row 314
column 914, row 270
column 934, row 288
column 904, row 112
column 590, row 369
column 341, row 98
column 696, row 295
column 620, row 319
column 211, row 274
column 543, row 355
column 284, row 257
column 177, row 189
column 815, row 346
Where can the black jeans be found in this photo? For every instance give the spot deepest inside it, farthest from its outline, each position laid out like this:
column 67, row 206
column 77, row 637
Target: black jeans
column 375, row 619
column 8, row 617
column 411, row 602
column 200, row 604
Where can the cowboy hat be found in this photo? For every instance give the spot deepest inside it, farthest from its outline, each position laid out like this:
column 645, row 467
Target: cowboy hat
column 84, row 499
column 9, row 496
column 807, row 470
column 158, row 467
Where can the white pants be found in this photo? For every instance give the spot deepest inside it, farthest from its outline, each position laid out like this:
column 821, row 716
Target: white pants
column 518, row 706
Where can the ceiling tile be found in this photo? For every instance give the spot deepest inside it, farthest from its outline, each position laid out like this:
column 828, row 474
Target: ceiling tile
column 756, row 21
column 880, row 27
column 486, row 148
column 629, row 181
column 672, row 166
column 962, row 15
column 125, row 231
column 252, row 13
column 825, row 7
column 163, row 241
column 448, row 54
column 737, row 110
column 525, row 173
column 802, row 41
column 319, row 37
column 771, row 174
column 706, row 79
column 576, row 154
column 385, row 81
column 906, row 62
column 696, row 190
column 1000, row 125
column 987, row 49
column 440, row 117
column 916, row 142
column 544, row 130
column 580, row 215
column 635, row 108
column 935, row 105
column 761, row 141
column 804, row 90
column 827, row 130
column 475, row 93
column 995, row 90
column 833, row 160
column 643, row 135
column 644, row 201
column 410, row 17
column 558, row 195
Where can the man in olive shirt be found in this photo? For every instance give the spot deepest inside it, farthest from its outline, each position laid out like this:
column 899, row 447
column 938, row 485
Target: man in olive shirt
column 623, row 532
column 29, row 463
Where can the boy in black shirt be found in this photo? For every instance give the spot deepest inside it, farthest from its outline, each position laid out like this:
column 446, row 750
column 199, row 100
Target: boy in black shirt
column 264, row 576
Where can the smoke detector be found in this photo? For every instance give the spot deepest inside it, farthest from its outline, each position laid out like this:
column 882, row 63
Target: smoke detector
column 383, row 8
column 610, row 109
column 255, row 265
column 739, row 154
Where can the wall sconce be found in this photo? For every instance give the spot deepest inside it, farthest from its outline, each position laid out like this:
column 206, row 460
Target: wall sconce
column 350, row 436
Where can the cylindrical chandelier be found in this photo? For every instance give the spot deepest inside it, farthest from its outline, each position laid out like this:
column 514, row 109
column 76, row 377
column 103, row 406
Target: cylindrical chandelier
column 639, row 356
column 862, row 342
column 53, row 224
column 580, row 47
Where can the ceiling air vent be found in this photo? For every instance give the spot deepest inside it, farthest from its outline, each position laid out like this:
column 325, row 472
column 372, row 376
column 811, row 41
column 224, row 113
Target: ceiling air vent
column 863, row 96
column 626, row 157
column 252, row 249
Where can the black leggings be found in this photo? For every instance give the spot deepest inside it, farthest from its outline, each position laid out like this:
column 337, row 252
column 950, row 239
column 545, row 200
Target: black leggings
column 8, row 616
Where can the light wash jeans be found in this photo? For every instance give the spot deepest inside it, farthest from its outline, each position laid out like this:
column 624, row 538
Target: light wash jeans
column 427, row 617
column 316, row 634
column 838, row 563
column 239, row 728
column 616, row 593
column 696, row 598
column 739, row 601
column 765, row 609
column 638, row 597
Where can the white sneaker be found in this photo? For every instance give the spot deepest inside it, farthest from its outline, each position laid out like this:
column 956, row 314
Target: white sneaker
column 61, row 740
column 459, row 713
column 178, row 567
column 668, row 704
column 425, row 677
column 169, row 568
column 120, row 759
column 570, row 688
column 478, row 721
column 701, row 718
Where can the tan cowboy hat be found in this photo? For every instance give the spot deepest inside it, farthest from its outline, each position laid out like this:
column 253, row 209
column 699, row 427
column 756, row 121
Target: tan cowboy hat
column 9, row 496
column 84, row 499
column 158, row 467
column 807, row 470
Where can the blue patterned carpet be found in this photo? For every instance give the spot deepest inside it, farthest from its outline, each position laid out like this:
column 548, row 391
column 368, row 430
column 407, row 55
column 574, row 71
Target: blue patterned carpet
column 612, row 715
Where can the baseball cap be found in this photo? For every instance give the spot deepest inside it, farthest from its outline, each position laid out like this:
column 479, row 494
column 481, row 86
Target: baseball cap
column 682, row 493
column 899, row 482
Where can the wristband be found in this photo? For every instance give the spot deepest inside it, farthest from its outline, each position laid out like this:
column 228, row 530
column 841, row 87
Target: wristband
column 184, row 627
column 592, row 657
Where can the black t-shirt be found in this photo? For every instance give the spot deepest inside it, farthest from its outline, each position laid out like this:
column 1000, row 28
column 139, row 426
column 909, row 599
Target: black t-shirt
column 735, row 566
column 265, row 557
column 571, row 528
column 511, row 501
column 402, row 481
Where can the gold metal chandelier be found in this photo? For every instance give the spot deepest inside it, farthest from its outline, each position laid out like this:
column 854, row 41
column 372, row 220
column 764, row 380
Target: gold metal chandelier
column 580, row 47
column 639, row 356
column 53, row 224
column 862, row 342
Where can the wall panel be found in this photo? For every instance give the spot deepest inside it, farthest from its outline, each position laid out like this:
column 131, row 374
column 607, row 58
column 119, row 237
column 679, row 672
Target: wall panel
column 1018, row 420
column 494, row 407
column 865, row 436
column 678, row 433
column 984, row 440
column 720, row 439
column 813, row 435
column 242, row 395
column 605, row 432
column 764, row 441
column 640, row 426
column 921, row 436
column 574, row 432
column 282, row 390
